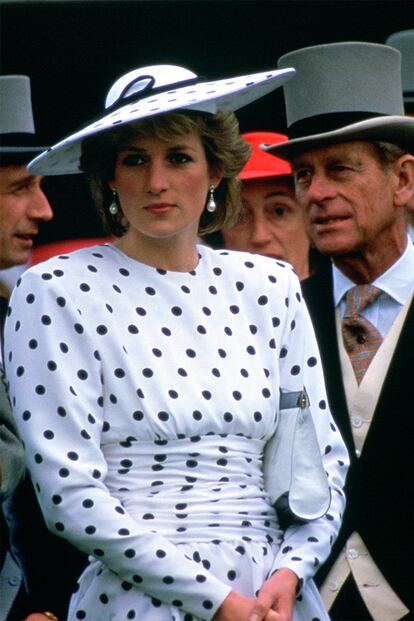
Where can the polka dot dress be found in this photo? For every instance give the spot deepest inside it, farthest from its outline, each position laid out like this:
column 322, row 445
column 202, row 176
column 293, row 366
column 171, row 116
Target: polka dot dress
column 145, row 399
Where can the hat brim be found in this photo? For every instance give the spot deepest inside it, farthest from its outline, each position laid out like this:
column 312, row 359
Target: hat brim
column 398, row 130
column 210, row 97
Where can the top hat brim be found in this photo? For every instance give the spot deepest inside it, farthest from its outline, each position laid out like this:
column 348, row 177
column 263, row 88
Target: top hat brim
column 208, row 97
column 398, row 130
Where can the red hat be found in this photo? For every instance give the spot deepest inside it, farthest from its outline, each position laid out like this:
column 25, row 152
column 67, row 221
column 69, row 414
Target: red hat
column 53, row 249
column 261, row 164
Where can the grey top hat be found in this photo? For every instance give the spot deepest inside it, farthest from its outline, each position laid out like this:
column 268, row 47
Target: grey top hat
column 158, row 89
column 342, row 92
column 404, row 42
column 17, row 131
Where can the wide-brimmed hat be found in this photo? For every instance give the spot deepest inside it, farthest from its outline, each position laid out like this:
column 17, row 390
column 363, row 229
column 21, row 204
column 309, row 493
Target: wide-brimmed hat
column 403, row 41
column 153, row 90
column 342, row 92
column 17, row 131
column 260, row 164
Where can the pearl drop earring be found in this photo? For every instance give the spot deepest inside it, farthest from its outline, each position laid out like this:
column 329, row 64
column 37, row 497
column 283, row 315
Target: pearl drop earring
column 113, row 207
column 211, row 203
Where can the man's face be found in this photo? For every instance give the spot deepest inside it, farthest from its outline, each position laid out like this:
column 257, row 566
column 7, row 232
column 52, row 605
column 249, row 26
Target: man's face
column 22, row 207
column 347, row 199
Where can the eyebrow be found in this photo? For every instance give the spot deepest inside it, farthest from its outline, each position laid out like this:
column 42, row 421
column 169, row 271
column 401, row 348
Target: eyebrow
column 330, row 160
column 21, row 181
column 277, row 194
column 174, row 147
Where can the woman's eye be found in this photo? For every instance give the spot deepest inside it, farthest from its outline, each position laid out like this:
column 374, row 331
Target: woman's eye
column 245, row 216
column 132, row 160
column 279, row 211
column 179, row 158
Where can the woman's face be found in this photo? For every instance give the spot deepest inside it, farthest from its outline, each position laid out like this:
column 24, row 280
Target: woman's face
column 162, row 187
column 271, row 223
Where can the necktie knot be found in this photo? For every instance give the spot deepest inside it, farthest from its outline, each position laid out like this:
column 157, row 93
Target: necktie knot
column 359, row 297
column 361, row 338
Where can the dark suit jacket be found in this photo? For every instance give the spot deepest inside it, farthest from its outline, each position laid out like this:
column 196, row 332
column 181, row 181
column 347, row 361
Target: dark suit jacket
column 379, row 487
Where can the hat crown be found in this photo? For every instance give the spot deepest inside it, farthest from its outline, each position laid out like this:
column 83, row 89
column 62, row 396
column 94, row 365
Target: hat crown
column 146, row 78
column 403, row 41
column 350, row 77
column 261, row 164
column 16, row 113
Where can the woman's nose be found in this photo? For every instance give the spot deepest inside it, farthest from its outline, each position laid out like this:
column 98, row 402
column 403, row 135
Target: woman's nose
column 156, row 178
column 260, row 231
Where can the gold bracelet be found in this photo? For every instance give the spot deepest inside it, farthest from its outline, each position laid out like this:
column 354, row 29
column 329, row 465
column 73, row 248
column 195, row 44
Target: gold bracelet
column 50, row 615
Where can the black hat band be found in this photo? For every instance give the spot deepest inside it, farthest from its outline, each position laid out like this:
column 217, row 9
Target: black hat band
column 324, row 123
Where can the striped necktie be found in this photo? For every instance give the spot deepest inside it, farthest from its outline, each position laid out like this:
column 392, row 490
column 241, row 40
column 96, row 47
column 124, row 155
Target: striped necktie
column 361, row 337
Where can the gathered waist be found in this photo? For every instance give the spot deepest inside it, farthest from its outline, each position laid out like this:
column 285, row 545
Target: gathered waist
column 199, row 488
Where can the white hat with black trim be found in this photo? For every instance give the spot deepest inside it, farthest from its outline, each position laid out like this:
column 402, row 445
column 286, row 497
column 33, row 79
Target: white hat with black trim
column 157, row 89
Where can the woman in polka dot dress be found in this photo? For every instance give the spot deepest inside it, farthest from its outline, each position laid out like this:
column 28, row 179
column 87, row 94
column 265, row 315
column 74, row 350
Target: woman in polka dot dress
column 145, row 379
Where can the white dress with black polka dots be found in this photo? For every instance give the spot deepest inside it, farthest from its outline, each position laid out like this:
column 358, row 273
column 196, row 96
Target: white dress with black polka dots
column 145, row 399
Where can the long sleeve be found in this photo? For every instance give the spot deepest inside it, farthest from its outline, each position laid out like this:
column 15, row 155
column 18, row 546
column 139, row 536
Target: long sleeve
column 57, row 401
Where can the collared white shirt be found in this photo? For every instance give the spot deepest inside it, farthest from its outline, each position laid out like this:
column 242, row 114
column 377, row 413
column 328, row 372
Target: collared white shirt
column 397, row 283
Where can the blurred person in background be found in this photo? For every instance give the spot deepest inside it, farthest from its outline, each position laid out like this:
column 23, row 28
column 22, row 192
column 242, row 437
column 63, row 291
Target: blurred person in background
column 35, row 568
column 271, row 221
column 403, row 41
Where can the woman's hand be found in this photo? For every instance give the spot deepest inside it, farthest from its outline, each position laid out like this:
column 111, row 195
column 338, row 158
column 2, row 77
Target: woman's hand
column 240, row 608
column 277, row 594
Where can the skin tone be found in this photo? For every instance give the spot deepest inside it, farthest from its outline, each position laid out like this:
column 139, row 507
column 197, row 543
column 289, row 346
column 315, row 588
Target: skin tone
column 410, row 210
column 23, row 206
column 354, row 207
column 162, row 190
column 410, row 203
column 274, row 603
column 271, row 223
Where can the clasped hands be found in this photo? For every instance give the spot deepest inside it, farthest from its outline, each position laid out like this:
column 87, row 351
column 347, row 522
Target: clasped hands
column 274, row 602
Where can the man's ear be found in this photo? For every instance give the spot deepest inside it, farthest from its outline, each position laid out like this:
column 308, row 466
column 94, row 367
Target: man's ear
column 405, row 176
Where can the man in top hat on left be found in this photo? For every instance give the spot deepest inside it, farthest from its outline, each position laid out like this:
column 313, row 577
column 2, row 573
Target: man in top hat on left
column 35, row 571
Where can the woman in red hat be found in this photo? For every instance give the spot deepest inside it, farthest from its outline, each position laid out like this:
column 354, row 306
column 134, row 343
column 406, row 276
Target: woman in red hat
column 271, row 222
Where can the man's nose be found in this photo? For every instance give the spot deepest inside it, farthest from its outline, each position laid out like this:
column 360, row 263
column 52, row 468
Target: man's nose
column 320, row 188
column 40, row 208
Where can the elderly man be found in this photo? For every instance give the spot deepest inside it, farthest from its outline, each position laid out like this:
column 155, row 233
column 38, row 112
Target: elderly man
column 349, row 147
column 49, row 570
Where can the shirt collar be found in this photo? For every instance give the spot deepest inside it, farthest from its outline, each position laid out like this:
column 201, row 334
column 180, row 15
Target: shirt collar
column 397, row 281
